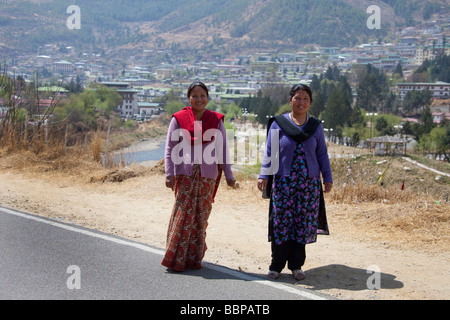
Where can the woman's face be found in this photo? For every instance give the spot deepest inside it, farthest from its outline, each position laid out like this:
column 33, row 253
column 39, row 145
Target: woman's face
column 300, row 102
column 198, row 99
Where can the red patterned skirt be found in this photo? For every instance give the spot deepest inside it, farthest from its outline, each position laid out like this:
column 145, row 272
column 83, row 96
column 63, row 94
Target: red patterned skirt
column 186, row 246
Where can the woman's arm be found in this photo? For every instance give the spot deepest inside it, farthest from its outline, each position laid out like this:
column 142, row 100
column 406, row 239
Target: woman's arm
column 227, row 164
column 168, row 162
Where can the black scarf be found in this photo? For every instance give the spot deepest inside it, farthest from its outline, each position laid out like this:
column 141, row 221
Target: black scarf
column 298, row 134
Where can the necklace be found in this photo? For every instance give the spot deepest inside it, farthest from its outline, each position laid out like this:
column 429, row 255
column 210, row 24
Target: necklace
column 302, row 124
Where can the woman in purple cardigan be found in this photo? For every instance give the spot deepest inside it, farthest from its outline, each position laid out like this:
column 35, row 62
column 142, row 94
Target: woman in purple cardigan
column 295, row 158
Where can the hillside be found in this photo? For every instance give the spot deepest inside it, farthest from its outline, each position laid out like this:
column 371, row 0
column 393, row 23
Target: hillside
column 199, row 24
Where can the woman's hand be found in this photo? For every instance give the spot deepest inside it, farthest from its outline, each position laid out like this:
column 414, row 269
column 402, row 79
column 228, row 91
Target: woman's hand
column 328, row 186
column 262, row 184
column 170, row 182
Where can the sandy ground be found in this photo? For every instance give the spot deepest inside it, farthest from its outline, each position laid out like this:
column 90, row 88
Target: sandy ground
column 139, row 209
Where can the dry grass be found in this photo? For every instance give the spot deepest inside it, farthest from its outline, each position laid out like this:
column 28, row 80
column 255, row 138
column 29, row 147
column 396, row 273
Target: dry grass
column 418, row 223
column 362, row 192
column 364, row 172
column 85, row 156
column 417, row 216
column 72, row 161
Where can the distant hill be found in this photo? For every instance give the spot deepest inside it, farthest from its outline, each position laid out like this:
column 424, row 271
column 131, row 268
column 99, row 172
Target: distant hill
column 204, row 24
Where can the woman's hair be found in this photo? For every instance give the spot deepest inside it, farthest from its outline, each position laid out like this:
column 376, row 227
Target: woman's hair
column 299, row 87
column 197, row 84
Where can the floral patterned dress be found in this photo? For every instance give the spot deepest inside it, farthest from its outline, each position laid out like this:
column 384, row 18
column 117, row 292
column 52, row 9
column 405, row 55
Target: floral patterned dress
column 296, row 201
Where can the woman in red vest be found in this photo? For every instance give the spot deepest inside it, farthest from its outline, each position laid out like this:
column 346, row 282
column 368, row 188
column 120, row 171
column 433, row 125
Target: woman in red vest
column 195, row 155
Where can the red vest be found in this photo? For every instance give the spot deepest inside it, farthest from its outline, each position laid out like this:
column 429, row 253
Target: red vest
column 187, row 120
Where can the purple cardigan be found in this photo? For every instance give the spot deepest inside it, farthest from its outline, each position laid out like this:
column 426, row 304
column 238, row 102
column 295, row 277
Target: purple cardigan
column 315, row 151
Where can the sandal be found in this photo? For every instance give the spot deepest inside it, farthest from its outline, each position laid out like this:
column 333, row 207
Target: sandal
column 298, row 274
column 273, row 275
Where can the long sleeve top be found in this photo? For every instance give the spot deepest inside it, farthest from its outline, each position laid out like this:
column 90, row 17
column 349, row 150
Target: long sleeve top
column 280, row 158
column 180, row 155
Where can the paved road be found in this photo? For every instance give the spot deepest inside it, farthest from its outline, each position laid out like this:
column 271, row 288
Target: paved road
column 45, row 259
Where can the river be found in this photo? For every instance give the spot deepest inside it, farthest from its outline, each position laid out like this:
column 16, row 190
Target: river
column 146, row 153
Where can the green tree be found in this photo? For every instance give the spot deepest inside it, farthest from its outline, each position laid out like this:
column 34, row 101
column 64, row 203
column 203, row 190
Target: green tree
column 439, row 137
column 260, row 105
column 333, row 73
column 173, row 106
column 355, row 139
column 384, row 127
column 440, row 68
column 231, row 111
column 446, row 142
column 212, row 105
column 415, row 101
column 83, row 110
column 381, row 124
column 315, row 83
column 357, row 117
column 426, row 119
column 398, row 70
column 106, row 100
column 79, row 111
column 318, row 104
column 338, row 109
column 421, row 74
column 372, row 90
column 434, row 142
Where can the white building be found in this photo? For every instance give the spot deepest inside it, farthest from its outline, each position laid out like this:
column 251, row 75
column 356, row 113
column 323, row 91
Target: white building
column 129, row 106
column 292, row 67
column 63, row 66
column 439, row 90
column 147, row 109
column 43, row 61
column 428, row 53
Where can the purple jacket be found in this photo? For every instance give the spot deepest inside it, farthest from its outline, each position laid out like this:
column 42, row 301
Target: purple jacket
column 315, row 151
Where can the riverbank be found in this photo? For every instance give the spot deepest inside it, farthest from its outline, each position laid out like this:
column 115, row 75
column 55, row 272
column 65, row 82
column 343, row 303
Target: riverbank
column 146, row 152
